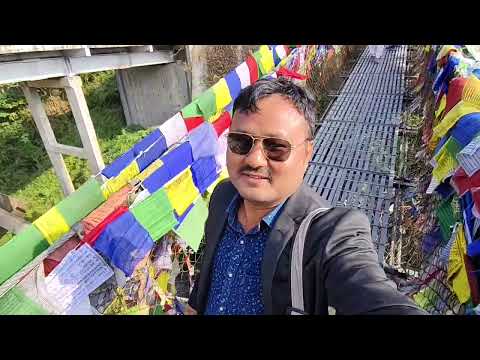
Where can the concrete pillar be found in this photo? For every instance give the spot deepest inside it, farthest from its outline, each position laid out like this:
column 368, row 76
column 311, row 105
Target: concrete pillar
column 150, row 95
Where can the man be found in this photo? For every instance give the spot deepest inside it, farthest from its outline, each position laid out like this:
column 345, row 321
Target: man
column 253, row 219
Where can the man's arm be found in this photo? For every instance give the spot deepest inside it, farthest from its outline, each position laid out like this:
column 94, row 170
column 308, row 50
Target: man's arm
column 354, row 281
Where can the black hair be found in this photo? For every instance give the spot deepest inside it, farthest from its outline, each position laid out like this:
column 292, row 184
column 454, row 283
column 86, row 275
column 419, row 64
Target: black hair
column 247, row 100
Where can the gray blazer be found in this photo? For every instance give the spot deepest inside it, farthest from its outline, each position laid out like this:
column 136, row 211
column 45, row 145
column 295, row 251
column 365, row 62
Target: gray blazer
column 340, row 265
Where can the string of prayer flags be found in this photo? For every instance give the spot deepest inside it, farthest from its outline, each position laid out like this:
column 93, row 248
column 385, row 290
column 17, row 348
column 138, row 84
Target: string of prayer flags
column 174, row 129
column 19, row 251
column 182, row 192
column 125, row 242
column 191, row 229
column 203, row 141
column 155, row 214
column 119, row 164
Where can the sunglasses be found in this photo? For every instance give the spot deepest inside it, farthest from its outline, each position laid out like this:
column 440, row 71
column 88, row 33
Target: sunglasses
column 273, row 148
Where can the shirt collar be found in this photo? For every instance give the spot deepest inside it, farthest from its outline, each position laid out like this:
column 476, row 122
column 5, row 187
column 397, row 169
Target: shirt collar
column 268, row 219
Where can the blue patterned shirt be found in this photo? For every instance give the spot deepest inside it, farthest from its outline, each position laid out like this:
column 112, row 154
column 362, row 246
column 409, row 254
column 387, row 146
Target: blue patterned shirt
column 236, row 287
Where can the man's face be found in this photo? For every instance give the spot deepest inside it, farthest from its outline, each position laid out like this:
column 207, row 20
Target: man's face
column 258, row 179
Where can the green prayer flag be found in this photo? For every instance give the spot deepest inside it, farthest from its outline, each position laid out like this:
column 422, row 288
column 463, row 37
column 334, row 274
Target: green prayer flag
column 15, row 302
column 20, row 250
column 191, row 110
column 158, row 310
column 446, row 219
column 155, row 214
column 82, row 202
column 192, row 228
column 261, row 70
column 453, row 148
column 207, row 103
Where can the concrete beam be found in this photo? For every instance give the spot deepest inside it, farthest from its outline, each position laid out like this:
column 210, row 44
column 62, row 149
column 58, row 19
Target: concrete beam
column 45, row 68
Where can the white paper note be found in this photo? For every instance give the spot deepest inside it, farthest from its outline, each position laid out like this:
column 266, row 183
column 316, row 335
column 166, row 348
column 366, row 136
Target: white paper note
column 80, row 272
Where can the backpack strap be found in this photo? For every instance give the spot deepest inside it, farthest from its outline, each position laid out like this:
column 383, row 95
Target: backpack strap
column 297, row 262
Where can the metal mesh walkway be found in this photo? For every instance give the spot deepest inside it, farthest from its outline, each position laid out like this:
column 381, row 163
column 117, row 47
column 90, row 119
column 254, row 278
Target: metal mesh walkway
column 355, row 147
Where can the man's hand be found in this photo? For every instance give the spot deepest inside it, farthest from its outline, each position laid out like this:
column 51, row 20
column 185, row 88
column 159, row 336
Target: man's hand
column 189, row 310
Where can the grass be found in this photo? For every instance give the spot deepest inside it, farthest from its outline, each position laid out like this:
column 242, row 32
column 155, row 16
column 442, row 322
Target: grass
column 25, row 169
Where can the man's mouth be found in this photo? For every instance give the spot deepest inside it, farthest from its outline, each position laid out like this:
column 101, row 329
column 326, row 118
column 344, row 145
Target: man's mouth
column 255, row 176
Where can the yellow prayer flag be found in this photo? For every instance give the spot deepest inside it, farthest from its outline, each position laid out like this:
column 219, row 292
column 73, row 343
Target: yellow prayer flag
column 222, row 94
column 162, row 281
column 114, row 184
column 446, row 163
column 182, row 192
column 444, row 51
column 441, row 106
column 266, row 58
column 52, row 225
column 149, row 170
column 451, row 118
column 457, row 272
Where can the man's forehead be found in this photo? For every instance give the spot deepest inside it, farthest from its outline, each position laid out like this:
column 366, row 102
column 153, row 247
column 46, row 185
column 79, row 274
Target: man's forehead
column 275, row 116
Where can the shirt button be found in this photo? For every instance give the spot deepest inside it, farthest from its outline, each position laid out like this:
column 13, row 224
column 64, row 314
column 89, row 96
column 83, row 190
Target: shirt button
column 241, row 242
column 230, row 275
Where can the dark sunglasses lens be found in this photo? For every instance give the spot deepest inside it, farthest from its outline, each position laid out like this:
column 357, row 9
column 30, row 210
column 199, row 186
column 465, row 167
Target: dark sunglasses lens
column 239, row 143
column 277, row 149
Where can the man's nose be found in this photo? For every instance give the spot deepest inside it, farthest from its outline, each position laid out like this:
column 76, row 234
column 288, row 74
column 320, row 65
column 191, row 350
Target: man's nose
column 256, row 158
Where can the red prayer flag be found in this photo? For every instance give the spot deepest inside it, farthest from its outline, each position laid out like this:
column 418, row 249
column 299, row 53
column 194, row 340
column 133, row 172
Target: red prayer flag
column 92, row 236
column 52, row 260
column 222, row 123
column 253, row 68
column 192, row 122
column 291, row 74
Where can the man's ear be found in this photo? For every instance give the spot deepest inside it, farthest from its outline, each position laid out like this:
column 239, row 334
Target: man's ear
column 309, row 150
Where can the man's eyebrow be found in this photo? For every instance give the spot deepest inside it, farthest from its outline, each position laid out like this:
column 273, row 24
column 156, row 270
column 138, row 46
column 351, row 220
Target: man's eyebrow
column 274, row 135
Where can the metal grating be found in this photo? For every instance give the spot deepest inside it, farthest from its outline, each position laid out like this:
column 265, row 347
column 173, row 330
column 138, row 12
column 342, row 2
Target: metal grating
column 355, row 147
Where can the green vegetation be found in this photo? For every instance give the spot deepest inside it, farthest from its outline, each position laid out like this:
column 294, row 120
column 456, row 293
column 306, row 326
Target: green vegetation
column 25, row 168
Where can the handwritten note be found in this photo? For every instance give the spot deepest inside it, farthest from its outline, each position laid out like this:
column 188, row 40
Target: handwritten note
column 80, row 272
